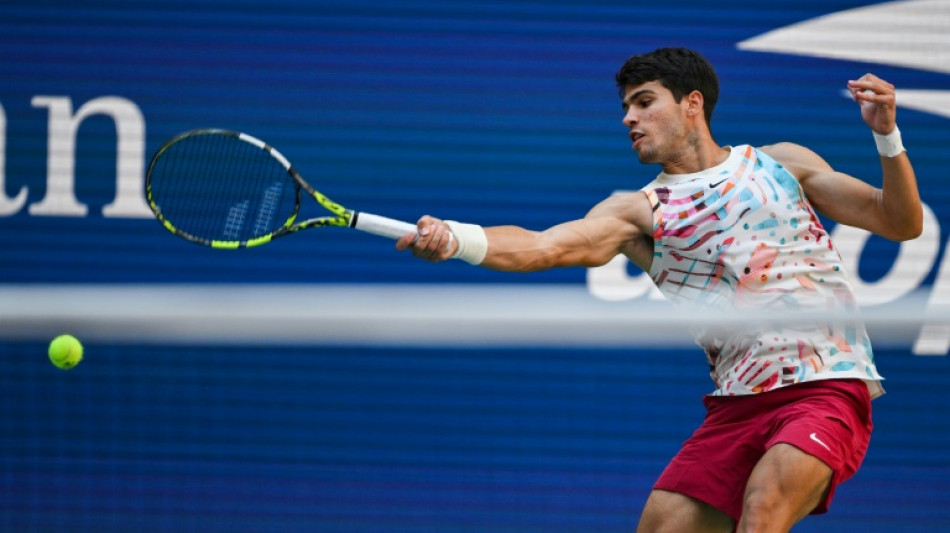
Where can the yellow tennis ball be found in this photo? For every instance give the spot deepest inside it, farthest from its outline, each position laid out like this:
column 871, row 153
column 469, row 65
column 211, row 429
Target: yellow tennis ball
column 65, row 351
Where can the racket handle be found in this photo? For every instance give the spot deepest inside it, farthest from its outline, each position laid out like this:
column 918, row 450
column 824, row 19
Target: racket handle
column 382, row 226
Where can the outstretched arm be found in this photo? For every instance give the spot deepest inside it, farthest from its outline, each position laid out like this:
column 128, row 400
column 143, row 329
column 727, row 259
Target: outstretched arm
column 616, row 225
column 893, row 211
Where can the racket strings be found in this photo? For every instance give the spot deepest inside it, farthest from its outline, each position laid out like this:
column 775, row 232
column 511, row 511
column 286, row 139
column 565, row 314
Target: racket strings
column 217, row 187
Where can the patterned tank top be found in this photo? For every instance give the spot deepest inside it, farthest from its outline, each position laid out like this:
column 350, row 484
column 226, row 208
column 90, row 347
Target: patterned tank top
column 742, row 237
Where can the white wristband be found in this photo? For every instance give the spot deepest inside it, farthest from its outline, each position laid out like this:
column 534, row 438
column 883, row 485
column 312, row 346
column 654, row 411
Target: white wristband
column 473, row 243
column 889, row 145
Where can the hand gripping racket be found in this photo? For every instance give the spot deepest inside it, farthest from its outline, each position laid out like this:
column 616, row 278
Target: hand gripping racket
column 226, row 189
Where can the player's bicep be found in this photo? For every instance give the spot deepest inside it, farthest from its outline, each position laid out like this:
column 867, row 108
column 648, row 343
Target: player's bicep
column 842, row 198
column 589, row 242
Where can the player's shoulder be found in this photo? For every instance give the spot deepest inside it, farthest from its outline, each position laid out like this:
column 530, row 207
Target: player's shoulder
column 799, row 160
column 630, row 207
column 622, row 201
column 790, row 152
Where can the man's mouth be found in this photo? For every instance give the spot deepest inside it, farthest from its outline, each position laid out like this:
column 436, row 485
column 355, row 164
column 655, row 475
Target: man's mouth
column 635, row 136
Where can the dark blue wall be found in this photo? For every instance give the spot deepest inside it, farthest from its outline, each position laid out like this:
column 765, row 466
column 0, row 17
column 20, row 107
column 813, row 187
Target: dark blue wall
column 489, row 112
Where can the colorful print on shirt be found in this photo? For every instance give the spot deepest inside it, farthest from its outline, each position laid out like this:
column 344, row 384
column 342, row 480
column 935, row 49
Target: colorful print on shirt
column 742, row 237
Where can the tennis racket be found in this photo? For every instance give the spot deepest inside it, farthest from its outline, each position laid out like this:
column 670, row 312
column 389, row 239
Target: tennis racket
column 229, row 190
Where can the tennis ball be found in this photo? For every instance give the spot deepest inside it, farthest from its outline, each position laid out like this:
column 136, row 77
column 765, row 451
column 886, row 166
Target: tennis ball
column 65, row 351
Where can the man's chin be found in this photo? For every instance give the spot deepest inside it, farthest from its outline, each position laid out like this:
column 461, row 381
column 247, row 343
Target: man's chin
column 646, row 158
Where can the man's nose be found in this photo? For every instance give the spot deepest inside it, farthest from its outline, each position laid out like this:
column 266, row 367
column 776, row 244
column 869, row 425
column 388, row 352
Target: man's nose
column 629, row 118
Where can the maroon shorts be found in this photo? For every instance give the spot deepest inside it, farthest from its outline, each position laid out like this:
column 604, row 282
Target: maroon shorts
column 829, row 419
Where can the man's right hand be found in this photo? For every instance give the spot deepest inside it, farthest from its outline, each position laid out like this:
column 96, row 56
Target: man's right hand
column 433, row 240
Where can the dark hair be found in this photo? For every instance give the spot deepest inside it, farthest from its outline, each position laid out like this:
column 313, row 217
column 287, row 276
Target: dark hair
column 680, row 70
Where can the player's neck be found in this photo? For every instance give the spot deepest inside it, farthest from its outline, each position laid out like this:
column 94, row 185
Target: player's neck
column 696, row 156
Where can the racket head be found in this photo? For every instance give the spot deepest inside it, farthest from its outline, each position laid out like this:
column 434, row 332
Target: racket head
column 225, row 189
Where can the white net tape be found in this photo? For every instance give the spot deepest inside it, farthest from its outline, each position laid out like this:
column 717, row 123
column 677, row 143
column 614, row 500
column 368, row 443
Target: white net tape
column 444, row 315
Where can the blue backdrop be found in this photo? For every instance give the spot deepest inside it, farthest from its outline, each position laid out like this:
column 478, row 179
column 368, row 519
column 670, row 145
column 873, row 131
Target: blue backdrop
column 488, row 112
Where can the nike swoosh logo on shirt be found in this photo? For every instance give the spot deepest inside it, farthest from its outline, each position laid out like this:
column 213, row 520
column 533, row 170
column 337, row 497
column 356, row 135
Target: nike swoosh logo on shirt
column 814, row 437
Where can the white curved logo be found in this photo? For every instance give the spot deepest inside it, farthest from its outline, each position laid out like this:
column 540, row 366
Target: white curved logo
column 910, row 33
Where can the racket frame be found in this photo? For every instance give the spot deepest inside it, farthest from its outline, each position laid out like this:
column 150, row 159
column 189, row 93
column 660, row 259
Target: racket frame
column 341, row 216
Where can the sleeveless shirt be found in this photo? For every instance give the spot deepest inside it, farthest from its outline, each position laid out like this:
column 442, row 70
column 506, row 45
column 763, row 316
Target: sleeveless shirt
column 742, row 237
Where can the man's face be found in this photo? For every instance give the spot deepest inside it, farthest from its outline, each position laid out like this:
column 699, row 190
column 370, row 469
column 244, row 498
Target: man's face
column 657, row 123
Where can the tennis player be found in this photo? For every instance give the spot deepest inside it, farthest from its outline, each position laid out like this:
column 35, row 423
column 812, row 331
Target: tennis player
column 734, row 228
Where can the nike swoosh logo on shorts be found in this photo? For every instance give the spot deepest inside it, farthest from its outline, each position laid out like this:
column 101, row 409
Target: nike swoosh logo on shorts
column 814, row 437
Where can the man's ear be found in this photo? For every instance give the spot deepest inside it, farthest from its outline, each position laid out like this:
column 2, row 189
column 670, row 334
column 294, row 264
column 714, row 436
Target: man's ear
column 694, row 103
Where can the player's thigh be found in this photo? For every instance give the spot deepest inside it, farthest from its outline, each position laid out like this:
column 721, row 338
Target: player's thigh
column 785, row 486
column 671, row 512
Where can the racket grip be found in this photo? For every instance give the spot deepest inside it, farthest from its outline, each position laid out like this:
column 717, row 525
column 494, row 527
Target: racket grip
column 382, row 226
